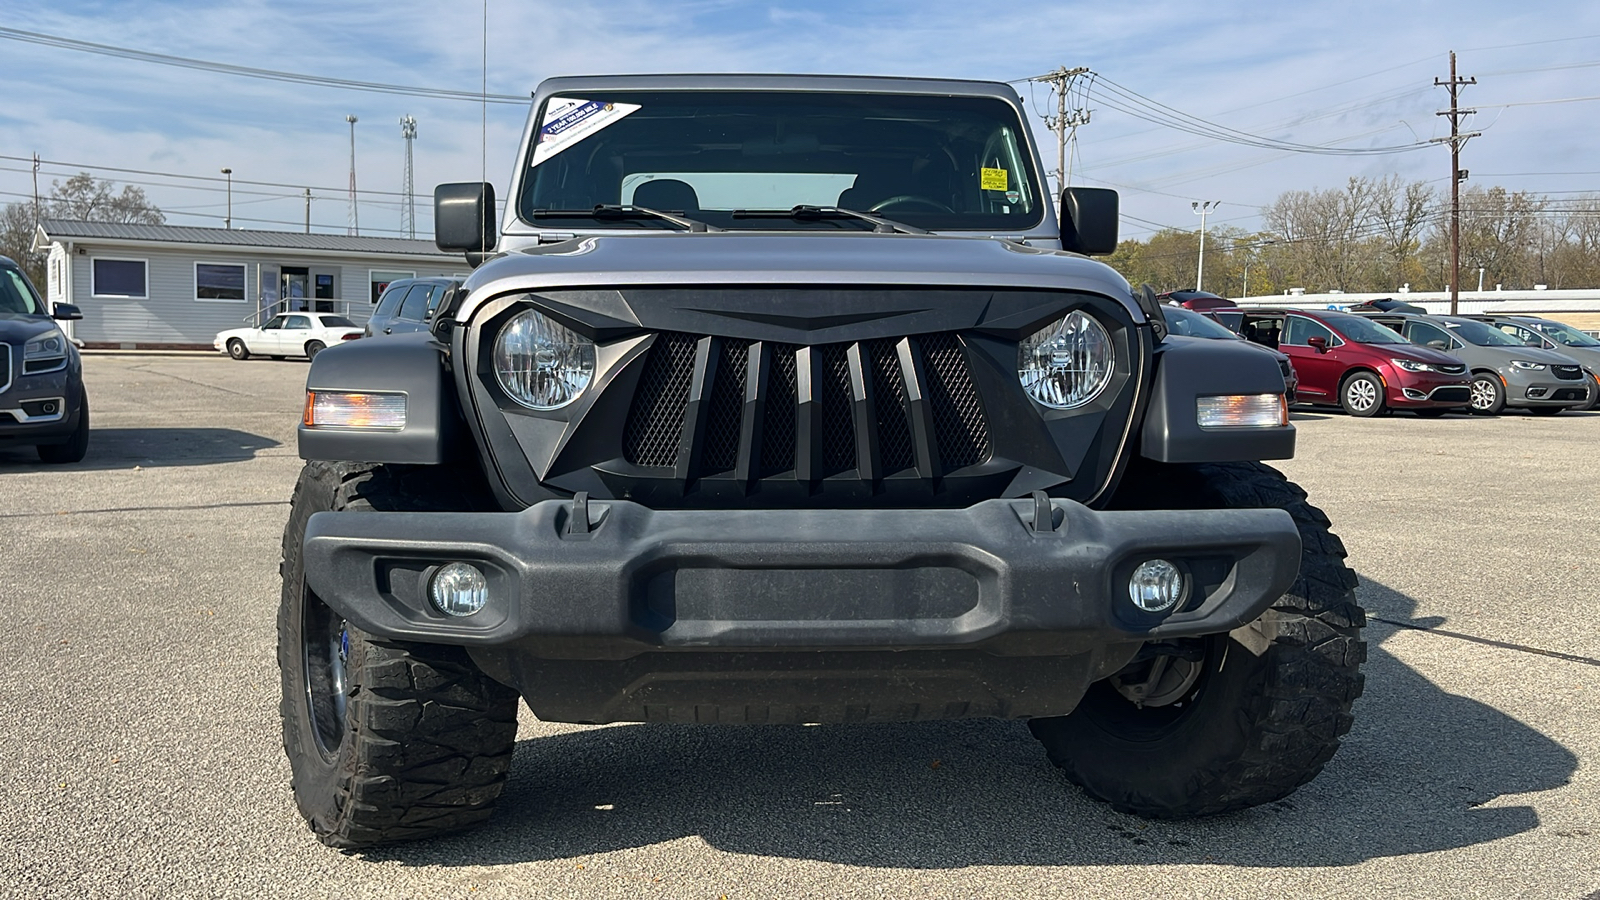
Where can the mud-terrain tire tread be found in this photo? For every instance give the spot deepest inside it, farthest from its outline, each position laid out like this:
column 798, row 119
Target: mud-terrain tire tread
column 1298, row 698
column 428, row 737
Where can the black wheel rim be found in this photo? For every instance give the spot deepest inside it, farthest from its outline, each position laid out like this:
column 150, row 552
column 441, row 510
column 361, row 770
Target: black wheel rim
column 1120, row 716
column 325, row 647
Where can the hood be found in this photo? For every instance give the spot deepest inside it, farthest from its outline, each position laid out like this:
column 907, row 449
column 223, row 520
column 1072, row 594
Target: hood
column 1588, row 356
column 1416, row 352
column 1531, row 354
column 799, row 258
column 19, row 329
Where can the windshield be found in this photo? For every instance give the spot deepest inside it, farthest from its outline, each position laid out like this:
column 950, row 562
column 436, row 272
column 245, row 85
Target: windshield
column 1566, row 334
column 1192, row 324
column 1481, row 334
column 16, row 294
column 936, row 162
column 1363, row 331
column 337, row 322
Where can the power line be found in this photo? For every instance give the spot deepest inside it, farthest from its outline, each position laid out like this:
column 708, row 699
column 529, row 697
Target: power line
column 185, row 62
column 1457, row 174
column 211, row 178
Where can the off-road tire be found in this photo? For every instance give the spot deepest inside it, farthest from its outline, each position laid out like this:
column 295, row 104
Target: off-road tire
column 77, row 446
column 1273, row 698
column 237, row 349
column 1362, row 395
column 1490, row 398
column 313, row 348
column 426, row 738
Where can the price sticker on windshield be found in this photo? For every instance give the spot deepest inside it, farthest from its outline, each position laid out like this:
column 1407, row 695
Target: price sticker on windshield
column 568, row 120
column 993, row 179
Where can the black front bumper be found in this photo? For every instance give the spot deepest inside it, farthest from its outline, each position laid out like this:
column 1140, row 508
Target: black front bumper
column 940, row 612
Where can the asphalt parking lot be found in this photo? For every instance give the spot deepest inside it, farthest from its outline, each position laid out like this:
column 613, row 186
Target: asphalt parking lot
column 139, row 742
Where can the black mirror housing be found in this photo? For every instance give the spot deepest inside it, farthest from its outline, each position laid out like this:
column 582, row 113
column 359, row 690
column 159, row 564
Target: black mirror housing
column 66, row 312
column 1089, row 220
column 464, row 217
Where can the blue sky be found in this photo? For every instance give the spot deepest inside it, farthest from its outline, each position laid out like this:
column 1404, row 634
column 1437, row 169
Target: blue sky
column 1315, row 73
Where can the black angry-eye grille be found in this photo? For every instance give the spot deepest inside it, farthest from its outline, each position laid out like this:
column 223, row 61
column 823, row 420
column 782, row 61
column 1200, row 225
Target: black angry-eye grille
column 815, row 411
column 655, row 421
column 958, row 421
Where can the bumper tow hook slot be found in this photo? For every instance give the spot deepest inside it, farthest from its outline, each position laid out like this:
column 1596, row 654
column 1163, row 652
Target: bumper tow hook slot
column 578, row 522
column 1044, row 515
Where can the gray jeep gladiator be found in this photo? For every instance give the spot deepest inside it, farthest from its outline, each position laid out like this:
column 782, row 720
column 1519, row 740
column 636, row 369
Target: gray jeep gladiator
column 781, row 400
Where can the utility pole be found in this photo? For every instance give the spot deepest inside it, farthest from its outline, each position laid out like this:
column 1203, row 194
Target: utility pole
column 1457, row 140
column 36, row 192
column 1202, row 210
column 353, row 227
column 1063, row 124
column 308, row 210
column 408, row 200
column 228, row 222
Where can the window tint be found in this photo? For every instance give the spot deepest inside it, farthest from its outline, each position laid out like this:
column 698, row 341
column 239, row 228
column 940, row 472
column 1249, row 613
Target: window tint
column 417, row 302
column 1424, row 334
column 1524, row 336
column 1300, row 330
column 118, row 278
column 337, row 322
column 298, row 323
column 390, row 302
column 16, row 295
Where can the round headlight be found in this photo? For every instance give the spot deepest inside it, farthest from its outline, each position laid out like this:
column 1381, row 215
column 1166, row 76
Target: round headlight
column 541, row 363
column 1067, row 363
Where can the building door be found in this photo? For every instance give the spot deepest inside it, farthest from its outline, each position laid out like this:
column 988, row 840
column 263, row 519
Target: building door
column 269, row 291
column 296, row 289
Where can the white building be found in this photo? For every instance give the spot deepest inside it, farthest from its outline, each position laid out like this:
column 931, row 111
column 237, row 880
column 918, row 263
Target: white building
column 175, row 287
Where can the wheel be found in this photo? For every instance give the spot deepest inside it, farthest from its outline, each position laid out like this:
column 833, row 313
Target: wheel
column 313, row 348
column 237, row 349
column 910, row 200
column 1545, row 410
column 1432, row 413
column 1233, row 720
column 76, row 446
column 387, row 740
column 1594, row 398
column 1362, row 395
column 1488, row 394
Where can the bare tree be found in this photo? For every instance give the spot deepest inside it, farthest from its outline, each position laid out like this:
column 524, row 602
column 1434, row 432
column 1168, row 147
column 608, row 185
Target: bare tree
column 86, row 198
column 16, row 240
column 1401, row 213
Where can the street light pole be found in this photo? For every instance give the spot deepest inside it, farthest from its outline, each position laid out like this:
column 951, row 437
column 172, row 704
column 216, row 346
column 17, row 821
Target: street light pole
column 228, row 222
column 1202, row 210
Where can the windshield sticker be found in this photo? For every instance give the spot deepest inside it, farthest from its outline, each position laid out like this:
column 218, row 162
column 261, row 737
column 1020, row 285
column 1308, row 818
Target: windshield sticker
column 993, row 179
column 568, row 121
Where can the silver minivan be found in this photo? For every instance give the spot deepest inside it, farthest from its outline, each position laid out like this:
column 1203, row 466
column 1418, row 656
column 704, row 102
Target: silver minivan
column 408, row 304
column 1505, row 372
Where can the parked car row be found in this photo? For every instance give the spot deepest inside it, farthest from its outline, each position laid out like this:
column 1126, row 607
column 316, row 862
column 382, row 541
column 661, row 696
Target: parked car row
column 1375, row 359
column 407, row 304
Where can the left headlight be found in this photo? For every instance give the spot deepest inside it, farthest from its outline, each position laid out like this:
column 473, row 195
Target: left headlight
column 45, row 353
column 541, row 363
column 1529, row 366
column 1067, row 363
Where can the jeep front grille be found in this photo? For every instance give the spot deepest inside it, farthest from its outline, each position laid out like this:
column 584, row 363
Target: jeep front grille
column 708, row 406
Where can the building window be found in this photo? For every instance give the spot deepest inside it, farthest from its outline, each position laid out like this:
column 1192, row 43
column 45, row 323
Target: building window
column 219, row 281
column 118, row 278
column 380, row 280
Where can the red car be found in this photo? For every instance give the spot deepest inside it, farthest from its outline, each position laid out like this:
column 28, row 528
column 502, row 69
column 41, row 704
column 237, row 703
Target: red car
column 1353, row 362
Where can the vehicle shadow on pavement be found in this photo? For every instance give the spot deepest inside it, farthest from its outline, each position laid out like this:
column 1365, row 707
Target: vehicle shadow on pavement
column 1413, row 777
column 125, row 448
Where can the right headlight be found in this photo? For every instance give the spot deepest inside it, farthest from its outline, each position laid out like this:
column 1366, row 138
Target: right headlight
column 1527, row 365
column 1067, row 363
column 1411, row 365
column 541, row 363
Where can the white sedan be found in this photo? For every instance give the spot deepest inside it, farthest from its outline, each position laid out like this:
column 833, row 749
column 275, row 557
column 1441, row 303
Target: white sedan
column 291, row 334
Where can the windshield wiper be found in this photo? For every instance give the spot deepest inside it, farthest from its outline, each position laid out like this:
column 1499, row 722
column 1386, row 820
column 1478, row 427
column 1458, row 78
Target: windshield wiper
column 804, row 212
column 618, row 211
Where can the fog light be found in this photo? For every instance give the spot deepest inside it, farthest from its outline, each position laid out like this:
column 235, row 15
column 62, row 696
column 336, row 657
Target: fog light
column 1242, row 411
column 458, row 589
column 1156, row 586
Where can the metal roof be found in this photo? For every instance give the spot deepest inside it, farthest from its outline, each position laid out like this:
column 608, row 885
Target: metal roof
column 67, row 229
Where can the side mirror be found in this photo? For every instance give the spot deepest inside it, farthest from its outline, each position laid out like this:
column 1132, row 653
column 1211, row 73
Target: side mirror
column 67, row 312
column 1089, row 220
column 1438, row 345
column 1319, row 344
column 464, row 217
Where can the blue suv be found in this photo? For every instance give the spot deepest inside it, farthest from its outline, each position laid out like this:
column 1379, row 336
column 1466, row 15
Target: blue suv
column 42, row 400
